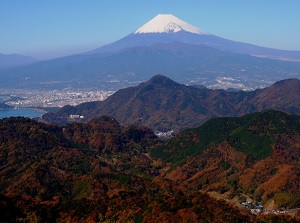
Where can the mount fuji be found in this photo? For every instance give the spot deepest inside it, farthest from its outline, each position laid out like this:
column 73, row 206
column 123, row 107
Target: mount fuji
column 167, row 28
column 168, row 24
column 165, row 45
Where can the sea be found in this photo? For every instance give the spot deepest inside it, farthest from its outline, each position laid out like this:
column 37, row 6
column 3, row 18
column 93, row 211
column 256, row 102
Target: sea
column 22, row 112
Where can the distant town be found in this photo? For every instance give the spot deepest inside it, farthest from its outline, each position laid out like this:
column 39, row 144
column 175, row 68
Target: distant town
column 20, row 98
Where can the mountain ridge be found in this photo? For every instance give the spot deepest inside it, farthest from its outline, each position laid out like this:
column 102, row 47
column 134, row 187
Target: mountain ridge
column 161, row 103
column 10, row 60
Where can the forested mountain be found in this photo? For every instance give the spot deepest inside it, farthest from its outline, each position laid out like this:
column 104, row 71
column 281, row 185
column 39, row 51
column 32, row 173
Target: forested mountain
column 95, row 172
column 101, row 171
column 256, row 154
column 163, row 104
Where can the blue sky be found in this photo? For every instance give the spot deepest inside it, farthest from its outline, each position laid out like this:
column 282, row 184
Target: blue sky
column 52, row 28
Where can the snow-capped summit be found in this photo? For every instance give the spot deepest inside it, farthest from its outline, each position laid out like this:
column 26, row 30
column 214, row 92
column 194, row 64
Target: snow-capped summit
column 167, row 23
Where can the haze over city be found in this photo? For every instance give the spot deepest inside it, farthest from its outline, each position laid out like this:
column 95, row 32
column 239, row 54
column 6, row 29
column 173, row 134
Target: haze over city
column 49, row 29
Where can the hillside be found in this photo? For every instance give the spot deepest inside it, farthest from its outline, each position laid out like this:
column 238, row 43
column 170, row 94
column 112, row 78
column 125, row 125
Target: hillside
column 163, row 104
column 101, row 171
column 95, row 172
column 257, row 154
column 183, row 62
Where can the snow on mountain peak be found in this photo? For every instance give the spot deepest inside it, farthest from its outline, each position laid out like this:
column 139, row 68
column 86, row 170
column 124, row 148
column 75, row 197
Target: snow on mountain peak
column 167, row 23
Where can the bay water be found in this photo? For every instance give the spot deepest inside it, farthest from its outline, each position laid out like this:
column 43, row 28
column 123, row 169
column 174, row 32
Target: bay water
column 22, row 112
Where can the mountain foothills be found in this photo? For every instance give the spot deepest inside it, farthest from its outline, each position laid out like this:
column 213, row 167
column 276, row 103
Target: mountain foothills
column 15, row 60
column 165, row 45
column 100, row 171
column 163, row 104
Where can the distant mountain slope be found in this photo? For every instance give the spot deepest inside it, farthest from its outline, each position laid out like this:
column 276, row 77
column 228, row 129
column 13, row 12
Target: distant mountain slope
column 15, row 60
column 187, row 63
column 163, row 104
column 256, row 154
column 147, row 39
